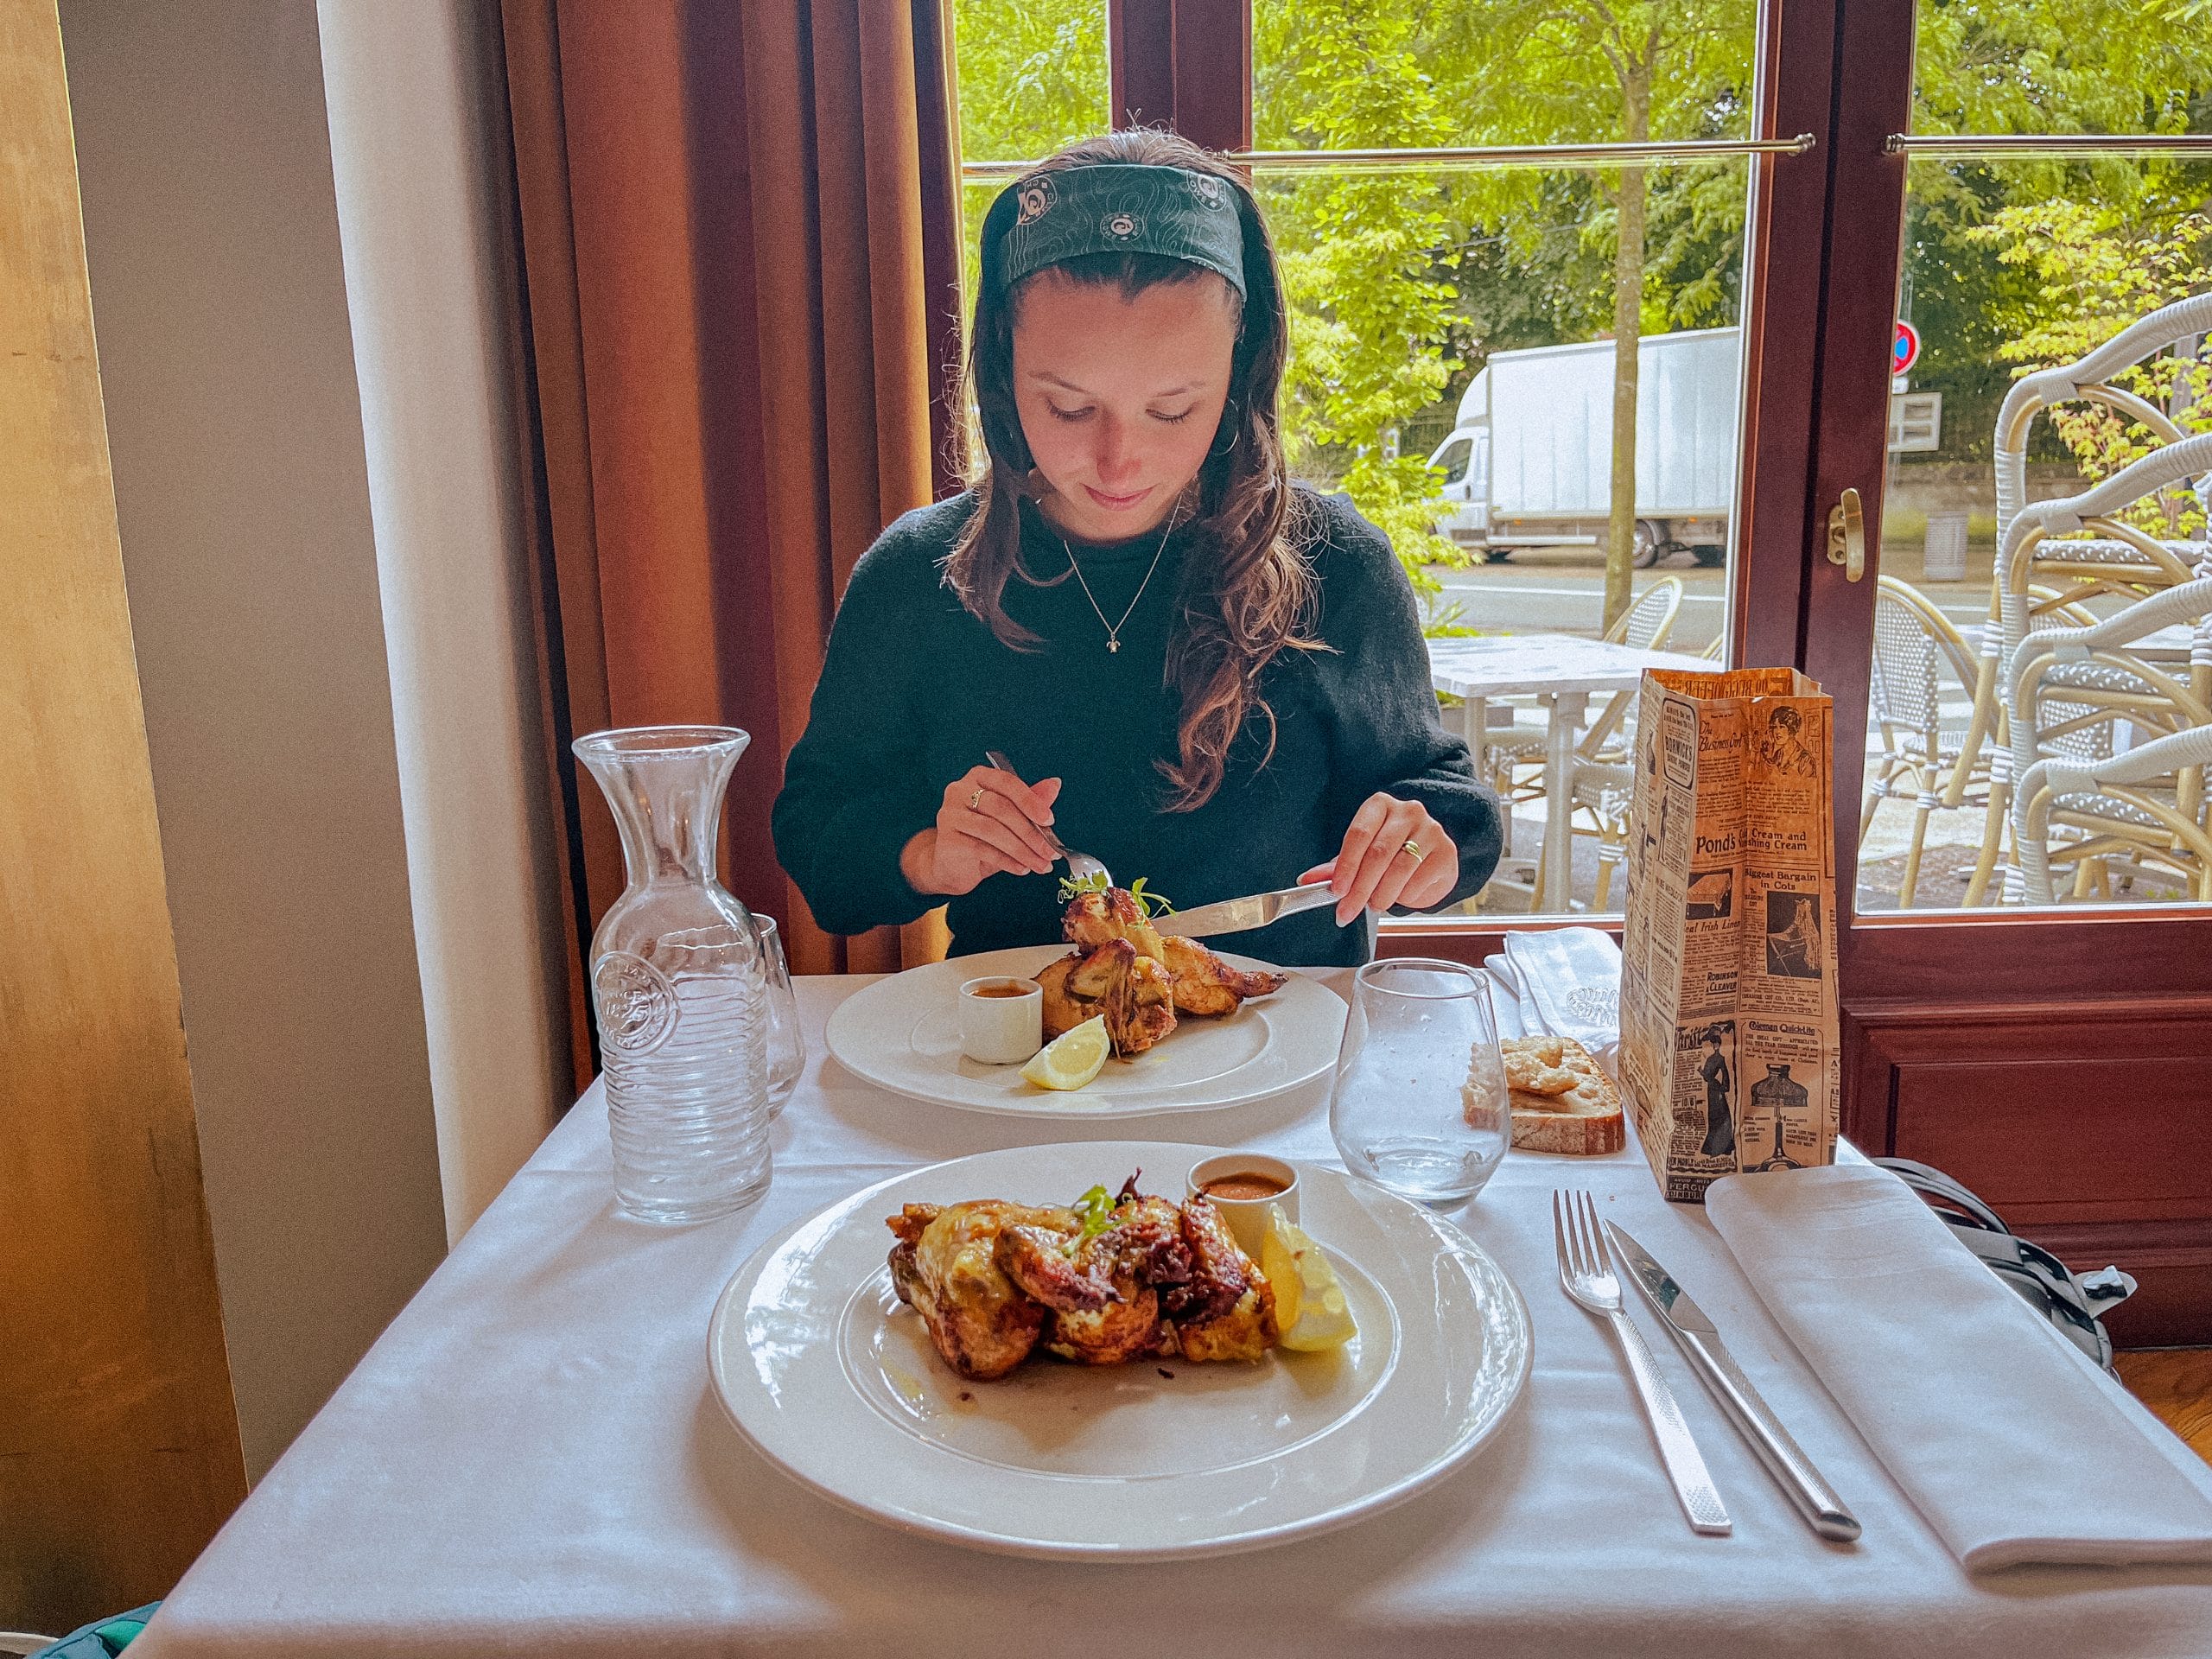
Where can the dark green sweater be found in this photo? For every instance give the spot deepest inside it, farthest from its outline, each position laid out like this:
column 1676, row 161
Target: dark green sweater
column 914, row 690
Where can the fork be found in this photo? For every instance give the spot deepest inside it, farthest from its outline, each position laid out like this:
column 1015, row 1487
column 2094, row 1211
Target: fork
column 1081, row 866
column 1585, row 1273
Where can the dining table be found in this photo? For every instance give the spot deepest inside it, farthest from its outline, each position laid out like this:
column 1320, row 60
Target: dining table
column 1561, row 671
column 532, row 1459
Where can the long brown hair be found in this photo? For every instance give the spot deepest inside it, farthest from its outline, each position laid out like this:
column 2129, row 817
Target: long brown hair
column 1252, row 597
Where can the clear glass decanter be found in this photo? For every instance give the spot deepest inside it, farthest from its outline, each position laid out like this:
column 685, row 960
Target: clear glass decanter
column 679, row 983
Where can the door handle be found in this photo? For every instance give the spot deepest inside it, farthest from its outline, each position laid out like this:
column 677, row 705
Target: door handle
column 1847, row 536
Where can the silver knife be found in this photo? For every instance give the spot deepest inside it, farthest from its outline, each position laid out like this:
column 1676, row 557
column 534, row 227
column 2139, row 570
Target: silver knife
column 1754, row 1419
column 1236, row 915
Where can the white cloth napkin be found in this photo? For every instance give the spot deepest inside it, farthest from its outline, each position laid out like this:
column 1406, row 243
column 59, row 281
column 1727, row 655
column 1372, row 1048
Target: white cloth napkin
column 1570, row 984
column 2021, row 1451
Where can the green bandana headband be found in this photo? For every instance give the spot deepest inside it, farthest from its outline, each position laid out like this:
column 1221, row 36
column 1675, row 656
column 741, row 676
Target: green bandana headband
column 1112, row 208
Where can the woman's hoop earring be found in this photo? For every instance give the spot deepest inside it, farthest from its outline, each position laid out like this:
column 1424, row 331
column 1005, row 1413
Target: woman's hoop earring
column 1215, row 451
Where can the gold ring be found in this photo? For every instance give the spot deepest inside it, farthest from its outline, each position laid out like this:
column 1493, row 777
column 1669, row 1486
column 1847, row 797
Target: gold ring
column 976, row 800
column 1413, row 847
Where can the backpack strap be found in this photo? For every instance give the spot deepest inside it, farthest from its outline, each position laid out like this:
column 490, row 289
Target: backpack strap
column 2044, row 1282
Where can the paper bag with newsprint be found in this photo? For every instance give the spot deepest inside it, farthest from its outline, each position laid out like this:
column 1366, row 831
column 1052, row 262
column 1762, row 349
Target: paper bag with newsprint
column 1729, row 1049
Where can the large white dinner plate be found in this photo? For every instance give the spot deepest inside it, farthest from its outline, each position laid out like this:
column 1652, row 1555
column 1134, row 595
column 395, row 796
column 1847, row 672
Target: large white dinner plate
column 834, row 1380
column 903, row 1033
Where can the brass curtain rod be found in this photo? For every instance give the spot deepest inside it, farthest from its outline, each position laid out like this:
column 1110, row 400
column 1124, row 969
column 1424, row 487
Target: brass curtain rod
column 1974, row 146
column 1303, row 160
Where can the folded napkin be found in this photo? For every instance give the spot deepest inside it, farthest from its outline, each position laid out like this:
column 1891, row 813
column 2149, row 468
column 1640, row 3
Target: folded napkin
column 1570, row 983
column 1505, row 998
column 2007, row 1439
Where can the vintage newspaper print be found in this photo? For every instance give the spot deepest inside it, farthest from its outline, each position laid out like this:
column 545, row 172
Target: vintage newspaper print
column 1729, row 1030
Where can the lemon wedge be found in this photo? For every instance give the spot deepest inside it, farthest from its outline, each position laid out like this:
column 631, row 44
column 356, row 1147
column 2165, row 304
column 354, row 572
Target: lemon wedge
column 1071, row 1060
column 1310, row 1306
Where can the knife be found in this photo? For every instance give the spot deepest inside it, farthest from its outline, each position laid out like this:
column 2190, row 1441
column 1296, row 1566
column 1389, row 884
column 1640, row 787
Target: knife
column 1695, row 1335
column 1236, row 915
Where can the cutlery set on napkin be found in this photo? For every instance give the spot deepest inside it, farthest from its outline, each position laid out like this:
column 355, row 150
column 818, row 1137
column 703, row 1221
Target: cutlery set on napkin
column 2014, row 1447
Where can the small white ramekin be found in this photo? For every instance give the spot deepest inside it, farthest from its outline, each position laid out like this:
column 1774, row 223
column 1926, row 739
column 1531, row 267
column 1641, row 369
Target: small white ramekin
column 1246, row 1219
column 1002, row 1030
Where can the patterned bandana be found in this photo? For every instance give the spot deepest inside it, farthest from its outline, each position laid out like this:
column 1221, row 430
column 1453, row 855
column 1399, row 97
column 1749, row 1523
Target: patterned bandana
column 1112, row 208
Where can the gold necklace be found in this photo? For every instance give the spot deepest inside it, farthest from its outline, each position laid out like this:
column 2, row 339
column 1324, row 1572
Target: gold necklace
column 1114, row 629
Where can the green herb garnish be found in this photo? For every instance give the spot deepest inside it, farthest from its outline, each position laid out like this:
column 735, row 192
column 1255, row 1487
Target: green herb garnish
column 1097, row 1207
column 1149, row 904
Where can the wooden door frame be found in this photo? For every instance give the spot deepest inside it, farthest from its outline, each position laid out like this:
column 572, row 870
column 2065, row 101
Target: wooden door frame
column 1185, row 65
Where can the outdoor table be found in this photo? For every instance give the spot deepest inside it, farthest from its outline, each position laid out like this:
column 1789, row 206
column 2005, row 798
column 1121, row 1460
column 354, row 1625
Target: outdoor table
column 532, row 1458
column 1562, row 670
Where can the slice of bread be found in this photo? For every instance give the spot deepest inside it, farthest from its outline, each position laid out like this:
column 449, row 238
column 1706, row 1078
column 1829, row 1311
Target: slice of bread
column 1568, row 1105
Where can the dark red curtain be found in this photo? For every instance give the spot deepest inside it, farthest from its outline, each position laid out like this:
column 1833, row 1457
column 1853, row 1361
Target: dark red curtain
column 740, row 259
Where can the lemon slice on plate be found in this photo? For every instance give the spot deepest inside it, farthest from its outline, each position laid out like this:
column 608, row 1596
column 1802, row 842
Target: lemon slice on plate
column 1071, row 1060
column 1310, row 1304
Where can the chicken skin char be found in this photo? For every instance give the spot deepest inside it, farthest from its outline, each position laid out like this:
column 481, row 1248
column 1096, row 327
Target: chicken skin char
column 994, row 1282
column 945, row 1268
column 1131, row 992
column 1137, row 979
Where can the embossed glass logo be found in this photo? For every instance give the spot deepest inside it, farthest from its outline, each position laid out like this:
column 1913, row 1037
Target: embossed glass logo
column 637, row 1005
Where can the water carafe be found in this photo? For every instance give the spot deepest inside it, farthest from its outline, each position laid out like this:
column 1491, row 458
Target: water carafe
column 679, row 983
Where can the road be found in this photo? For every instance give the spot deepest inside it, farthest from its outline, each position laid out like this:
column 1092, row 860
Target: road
column 1563, row 593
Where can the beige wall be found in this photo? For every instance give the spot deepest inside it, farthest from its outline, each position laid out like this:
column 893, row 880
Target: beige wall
column 236, row 425
column 414, row 151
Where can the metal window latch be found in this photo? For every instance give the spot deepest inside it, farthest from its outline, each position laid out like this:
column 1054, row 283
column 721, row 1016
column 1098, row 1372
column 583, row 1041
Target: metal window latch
column 1847, row 536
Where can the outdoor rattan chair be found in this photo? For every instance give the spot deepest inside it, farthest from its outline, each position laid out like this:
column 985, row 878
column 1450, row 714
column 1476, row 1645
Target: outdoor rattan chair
column 1916, row 648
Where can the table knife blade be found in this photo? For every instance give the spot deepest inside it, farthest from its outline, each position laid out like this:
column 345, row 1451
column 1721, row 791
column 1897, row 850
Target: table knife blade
column 1700, row 1341
column 1238, row 915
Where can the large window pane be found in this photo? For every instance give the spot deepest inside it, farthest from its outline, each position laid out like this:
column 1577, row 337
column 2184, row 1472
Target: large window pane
column 2013, row 266
column 2015, row 263
column 1460, row 335
column 1033, row 77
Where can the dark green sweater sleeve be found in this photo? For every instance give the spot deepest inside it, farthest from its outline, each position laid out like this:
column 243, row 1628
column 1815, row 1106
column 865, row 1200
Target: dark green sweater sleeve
column 854, row 792
column 1390, row 736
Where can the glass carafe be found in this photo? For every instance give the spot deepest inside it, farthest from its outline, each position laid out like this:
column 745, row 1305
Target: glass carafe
column 679, row 983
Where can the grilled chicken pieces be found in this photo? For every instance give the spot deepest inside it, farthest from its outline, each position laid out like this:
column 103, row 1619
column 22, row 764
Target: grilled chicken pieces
column 1135, row 977
column 994, row 1282
column 1133, row 992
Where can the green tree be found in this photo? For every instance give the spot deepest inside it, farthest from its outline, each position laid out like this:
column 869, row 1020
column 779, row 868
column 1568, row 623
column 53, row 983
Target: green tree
column 1366, row 257
column 1583, row 71
column 2031, row 66
column 2095, row 271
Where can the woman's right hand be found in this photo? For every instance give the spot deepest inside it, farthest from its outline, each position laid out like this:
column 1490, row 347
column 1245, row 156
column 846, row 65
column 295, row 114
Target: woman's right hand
column 989, row 822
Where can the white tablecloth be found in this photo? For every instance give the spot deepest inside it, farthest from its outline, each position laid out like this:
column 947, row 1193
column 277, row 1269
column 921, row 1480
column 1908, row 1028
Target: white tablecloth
column 530, row 1460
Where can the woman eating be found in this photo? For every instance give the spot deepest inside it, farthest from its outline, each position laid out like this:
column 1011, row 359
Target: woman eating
column 1202, row 674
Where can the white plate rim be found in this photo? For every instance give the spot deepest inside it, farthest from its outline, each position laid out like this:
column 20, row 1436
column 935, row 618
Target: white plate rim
column 839, row 1037
column 1495, row 1280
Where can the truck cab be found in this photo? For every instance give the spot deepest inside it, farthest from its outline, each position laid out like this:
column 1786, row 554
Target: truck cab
column 1463, row 512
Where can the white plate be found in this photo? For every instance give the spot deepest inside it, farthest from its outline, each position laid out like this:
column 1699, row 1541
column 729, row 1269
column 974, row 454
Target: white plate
column 834, row 1380
column 903, row 1033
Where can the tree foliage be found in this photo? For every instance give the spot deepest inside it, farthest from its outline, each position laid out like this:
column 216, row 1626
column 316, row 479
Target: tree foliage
column 2093, row 272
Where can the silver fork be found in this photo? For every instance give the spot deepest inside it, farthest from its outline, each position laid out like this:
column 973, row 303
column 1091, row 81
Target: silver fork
column 1585, row 1273
column 1081, row 866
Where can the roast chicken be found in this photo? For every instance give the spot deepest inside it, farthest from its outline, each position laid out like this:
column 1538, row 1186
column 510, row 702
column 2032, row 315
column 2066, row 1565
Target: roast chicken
column 1134, row 976
column 1146, row 1278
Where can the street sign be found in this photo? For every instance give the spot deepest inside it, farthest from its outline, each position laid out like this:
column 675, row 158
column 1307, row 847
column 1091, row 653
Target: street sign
column 1904, row 349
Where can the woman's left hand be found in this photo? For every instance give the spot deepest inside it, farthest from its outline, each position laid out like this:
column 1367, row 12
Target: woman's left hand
column 1394, row 854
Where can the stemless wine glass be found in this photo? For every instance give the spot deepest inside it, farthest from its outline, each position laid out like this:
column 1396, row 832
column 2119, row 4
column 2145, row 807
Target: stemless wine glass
column 787, row 1042
column 1420, row 1103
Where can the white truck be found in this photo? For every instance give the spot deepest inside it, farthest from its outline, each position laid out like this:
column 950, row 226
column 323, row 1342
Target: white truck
column 1530, row 462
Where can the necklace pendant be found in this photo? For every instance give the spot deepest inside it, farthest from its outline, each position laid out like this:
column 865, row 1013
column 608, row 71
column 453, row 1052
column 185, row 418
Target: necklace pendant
column 1113, row 644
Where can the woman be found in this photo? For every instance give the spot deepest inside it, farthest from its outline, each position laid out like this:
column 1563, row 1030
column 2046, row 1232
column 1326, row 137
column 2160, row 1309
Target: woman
column 1202, row 675
column 1720, row 1121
